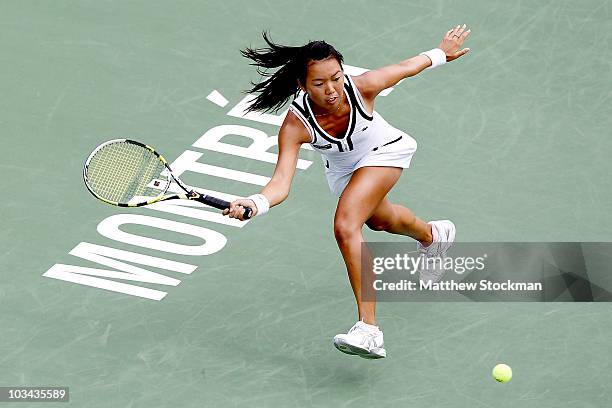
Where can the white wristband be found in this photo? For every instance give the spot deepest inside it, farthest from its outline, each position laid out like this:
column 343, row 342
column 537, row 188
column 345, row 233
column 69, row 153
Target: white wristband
column 261, row 202
column 437, row 57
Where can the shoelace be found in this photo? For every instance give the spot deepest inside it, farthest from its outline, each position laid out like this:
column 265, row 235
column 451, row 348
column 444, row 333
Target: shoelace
column 370, row 336
column 432, row 250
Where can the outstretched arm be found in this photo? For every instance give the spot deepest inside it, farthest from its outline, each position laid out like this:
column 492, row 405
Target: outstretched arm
column 371, row 83
column 290, row 137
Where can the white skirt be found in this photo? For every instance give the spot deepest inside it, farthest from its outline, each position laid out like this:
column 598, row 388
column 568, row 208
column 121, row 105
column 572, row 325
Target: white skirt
column 394, row 154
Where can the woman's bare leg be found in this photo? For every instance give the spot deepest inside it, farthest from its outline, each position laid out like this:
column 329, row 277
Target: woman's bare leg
column 360, row 199
column 397, row 219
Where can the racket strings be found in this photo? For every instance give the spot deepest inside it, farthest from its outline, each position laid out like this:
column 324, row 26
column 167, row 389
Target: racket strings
column 120, row 171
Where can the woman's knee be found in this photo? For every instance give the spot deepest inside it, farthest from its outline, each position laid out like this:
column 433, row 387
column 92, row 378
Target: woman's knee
column 345, row 229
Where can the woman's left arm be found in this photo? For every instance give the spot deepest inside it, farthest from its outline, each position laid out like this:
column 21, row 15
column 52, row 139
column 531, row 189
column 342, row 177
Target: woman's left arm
column 371, row 83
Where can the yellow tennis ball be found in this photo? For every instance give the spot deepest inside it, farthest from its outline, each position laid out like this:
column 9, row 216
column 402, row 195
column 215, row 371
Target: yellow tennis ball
column 502, row 373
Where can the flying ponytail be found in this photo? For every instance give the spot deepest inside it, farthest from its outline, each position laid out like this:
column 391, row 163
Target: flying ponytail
column 278, row 87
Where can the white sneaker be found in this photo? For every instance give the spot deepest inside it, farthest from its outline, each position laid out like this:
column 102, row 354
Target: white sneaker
column 444, row 235
column 362, row 339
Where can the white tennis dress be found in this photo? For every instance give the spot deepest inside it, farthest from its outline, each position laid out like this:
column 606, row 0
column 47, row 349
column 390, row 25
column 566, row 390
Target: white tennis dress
column 369, row 140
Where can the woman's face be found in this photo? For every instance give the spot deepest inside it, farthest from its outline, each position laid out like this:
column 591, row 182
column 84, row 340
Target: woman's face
column 324, row 83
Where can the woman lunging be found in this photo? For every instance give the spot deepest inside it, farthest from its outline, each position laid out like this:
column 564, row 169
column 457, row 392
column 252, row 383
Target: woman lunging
column 363, row 155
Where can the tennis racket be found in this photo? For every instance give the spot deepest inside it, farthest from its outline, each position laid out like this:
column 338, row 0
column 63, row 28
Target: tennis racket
column 127, row 173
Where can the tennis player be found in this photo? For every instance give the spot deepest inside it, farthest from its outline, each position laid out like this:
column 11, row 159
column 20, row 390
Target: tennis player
column 363, row 155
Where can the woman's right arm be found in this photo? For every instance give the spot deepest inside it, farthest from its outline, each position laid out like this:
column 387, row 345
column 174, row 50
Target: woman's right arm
column 290, row 137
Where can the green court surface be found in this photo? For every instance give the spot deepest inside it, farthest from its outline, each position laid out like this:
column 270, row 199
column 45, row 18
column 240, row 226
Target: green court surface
column 513, row 146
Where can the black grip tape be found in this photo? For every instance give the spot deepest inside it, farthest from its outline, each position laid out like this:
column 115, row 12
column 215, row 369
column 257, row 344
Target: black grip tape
column 221, row 204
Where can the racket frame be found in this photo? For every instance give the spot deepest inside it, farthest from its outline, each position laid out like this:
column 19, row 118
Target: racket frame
column 189, row 194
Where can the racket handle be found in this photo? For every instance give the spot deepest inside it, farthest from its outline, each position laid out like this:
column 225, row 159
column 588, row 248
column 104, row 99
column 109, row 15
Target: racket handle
column 220, row 204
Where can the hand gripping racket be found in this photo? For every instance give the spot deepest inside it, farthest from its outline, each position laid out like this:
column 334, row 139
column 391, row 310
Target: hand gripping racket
column 127, row 173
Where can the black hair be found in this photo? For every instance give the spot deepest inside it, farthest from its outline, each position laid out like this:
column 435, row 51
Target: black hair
column 273, row 92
